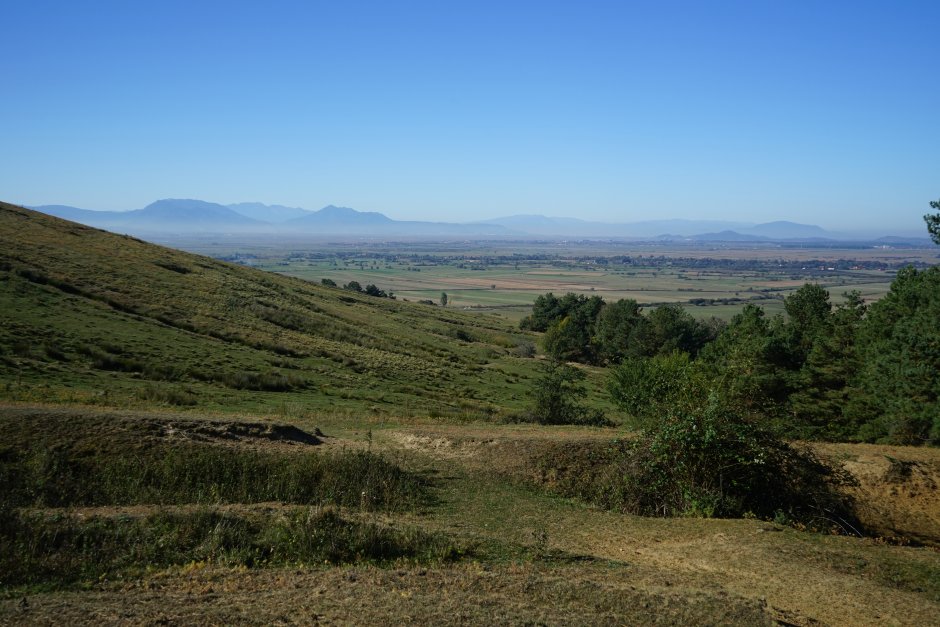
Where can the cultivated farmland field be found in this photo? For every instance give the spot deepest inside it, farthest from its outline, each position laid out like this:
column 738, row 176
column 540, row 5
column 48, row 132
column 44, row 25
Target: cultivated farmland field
column 506, row 277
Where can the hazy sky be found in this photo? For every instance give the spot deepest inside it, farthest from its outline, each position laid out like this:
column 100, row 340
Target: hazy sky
column 821, row 112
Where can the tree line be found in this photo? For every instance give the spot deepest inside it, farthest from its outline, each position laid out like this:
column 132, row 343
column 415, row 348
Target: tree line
column 855, row 371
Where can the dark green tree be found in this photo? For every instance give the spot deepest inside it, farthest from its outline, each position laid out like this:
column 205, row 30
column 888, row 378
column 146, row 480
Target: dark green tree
column 899, row 348
column 747, row 362
column 558, row 396
column 615, row 325
column 933, row 221
column 353, row 286
column 825, row 384
column 808, row 310
column 443, row 299
column 545, row 312
column 373, row 290
column 667, row 329
column 548, row 310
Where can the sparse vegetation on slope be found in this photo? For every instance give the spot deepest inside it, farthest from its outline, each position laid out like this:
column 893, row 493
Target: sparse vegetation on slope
column 93, row 317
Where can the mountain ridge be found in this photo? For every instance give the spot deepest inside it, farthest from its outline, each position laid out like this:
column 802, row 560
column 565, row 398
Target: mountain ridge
column 197, row 216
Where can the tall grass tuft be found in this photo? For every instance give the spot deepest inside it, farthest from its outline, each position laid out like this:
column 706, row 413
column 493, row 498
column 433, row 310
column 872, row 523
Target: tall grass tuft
column 61, row 548
column 60, row 476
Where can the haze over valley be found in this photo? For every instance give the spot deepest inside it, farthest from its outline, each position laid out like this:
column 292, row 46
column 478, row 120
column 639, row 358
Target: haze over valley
column 486, row 313
column 180, row 217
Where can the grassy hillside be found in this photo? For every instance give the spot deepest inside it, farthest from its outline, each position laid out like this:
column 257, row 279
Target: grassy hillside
column 316, row 498
column 94, row 317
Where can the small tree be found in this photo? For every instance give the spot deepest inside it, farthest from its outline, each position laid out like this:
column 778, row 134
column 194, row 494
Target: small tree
column 558, row 394
column 373, row 290
column 647, row 388
column 328, row 282
column 353, row 286
column 443, row 299
column 933, row 221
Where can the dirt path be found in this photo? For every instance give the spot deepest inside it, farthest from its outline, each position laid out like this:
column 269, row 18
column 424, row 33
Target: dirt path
column 803, row 577
column 543, row 559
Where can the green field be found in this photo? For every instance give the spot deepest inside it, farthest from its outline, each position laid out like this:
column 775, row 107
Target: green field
column 508, row 284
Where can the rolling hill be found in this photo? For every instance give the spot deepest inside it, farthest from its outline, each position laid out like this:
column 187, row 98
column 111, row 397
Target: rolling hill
column 94, row 317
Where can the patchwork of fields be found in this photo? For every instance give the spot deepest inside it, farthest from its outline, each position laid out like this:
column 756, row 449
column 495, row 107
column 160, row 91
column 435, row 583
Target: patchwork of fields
column 505, row 278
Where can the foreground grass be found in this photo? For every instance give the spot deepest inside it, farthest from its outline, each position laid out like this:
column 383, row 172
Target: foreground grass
column 490, row 542
column 69, row 478
column 491, row 488
column 60, row 548
column 63, row 459
column 200, row 474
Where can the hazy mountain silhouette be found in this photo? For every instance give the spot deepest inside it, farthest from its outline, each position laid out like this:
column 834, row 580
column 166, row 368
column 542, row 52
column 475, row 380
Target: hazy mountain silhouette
column 788, row 230
column 185, row 214
column 171, row 215
column 196, row 216
column 572, row 227
column 332, row 216
column 727, row 236
column 268, row 213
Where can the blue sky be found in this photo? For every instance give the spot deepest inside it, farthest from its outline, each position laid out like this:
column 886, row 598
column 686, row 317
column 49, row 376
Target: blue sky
column 819, row 112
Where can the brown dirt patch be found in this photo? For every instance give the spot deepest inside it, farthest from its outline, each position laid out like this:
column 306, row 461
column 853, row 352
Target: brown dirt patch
column 898, row 491
column 471, row 594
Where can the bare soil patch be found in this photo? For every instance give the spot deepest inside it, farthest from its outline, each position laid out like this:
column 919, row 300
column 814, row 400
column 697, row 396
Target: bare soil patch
column 448, row 596
column 897, row 491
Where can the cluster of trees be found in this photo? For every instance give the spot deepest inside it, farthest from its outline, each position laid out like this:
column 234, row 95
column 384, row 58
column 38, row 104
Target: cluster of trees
column 849, row 372
column 354, row 286
column 588, row 330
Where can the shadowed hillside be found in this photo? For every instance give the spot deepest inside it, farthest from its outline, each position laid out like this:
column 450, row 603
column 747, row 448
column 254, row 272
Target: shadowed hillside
column 94, row 317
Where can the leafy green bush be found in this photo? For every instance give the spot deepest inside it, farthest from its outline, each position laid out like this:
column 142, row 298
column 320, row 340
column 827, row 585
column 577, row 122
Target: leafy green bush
column 645, row 388
column 708, row 462
column 713, row 462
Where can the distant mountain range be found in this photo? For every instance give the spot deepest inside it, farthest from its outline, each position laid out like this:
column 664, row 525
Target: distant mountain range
column 705, row 230
column 179, row 216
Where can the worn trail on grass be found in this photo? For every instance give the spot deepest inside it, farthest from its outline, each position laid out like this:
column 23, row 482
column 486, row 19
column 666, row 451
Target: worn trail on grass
column 804, row 577
column 537, row 558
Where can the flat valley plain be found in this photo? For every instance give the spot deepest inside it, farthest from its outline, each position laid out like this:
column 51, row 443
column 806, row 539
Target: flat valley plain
column 709, row 279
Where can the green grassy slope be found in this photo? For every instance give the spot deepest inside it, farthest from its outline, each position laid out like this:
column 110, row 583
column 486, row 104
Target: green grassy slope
column 93, row 317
